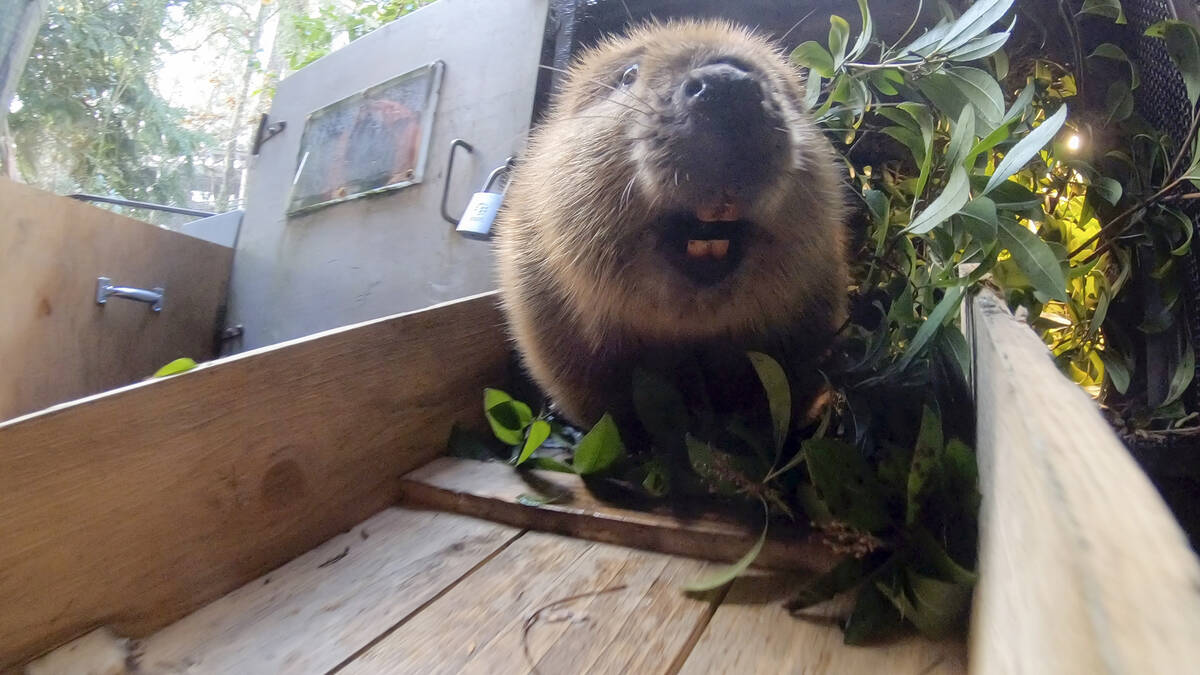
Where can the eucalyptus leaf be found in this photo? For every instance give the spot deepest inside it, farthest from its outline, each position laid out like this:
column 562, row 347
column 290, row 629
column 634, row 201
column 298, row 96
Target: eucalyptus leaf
column 873, row 618
column 1022, row 152
column 974, row 21
column 944, row 309
column 1117, row 369
column 925, row 457
column 1034, row 257
column 599, row 449
column 779, row 393
column 937, row 608
column 1185, row 371
column 961, row 139
column 980, row 48
column 725, row 575
column 1118, row 102
column 1106, row 189
column 867, row 32
column 538, row 432
column 953, row 198
column 979, row 218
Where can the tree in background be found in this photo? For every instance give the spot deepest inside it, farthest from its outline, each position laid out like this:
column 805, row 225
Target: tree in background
column 88, row 116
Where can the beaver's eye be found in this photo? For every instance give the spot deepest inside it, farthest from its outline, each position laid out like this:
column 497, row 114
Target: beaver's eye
column 629, row 76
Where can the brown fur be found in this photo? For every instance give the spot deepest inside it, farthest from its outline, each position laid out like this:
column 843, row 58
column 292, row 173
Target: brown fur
column 585, row 291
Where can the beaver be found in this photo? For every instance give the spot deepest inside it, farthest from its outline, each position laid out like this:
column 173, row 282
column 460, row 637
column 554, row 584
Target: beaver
column 677, row 195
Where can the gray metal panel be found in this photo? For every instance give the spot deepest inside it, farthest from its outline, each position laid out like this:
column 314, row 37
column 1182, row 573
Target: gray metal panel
column 220, row 229
column 376, row 256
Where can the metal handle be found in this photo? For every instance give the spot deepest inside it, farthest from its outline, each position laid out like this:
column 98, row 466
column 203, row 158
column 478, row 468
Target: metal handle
column 454, row 145
column 105, row 289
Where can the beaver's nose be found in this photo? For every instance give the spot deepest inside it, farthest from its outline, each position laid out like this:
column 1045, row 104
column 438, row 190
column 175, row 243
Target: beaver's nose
column 720, row 87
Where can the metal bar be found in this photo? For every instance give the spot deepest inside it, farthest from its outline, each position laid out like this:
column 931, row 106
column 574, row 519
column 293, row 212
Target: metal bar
column 454, row 145
column 141, row 205
column 105, row 289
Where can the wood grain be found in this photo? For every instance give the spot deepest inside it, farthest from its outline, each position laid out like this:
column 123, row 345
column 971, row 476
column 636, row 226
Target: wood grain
column 479, row 626
column 133, row 508
column 751, row 632
column 490, row 490
column 319, row 609
column 58, row 344
column 1083, row 570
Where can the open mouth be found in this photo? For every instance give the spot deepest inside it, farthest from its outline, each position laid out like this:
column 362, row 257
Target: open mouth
column 707, row 244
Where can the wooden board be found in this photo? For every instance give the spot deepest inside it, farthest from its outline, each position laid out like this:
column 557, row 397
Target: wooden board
column 58, row 344
column 641, row 625
column 136, row 507
column 1083, row 570
column 491, row 490
column 751, row 632
column 323, row 607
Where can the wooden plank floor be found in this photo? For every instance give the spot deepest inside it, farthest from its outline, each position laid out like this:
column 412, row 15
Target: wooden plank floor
column 422, row 591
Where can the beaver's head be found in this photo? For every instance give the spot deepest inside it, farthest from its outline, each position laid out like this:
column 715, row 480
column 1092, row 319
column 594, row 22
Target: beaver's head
column 678, row 186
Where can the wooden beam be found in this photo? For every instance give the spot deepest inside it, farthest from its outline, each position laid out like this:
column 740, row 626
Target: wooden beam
column 133, row 508
column 1083, row 570
column 491, row 490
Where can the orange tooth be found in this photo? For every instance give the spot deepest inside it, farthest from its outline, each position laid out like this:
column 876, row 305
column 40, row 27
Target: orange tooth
column 719, row 248
column 698, row 248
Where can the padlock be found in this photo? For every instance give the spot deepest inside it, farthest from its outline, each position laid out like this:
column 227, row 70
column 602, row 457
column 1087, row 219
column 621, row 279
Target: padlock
column 481, row 211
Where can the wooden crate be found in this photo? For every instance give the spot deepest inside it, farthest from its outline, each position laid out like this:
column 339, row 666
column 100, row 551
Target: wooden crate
column 254, row 515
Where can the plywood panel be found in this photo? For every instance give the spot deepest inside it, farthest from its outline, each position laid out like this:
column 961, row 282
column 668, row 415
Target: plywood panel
column 491, row 490
column 135, row 507
column 751, row 632
column 321, row 608
column 1083, row 570
column 58, row 344
column 549, row 604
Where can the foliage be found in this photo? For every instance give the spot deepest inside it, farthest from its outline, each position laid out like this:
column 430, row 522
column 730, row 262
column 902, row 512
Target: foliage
column 88, row 106
column 316, row 34
column 964, row 163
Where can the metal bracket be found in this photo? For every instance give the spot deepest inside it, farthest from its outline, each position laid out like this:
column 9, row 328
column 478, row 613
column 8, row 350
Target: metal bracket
column 266, row 132
column 106, row 289
column 234, row 331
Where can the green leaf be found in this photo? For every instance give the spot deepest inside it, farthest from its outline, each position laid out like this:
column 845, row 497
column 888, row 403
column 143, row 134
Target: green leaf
column 539, row 431
column 880, row 207
column 1107, row 8
column 978, row 18
column 925, row 123
column 1118, row 102
column 720, row 577
column 953, row 198
column 910, row 140
column 845, row 483
column 507, row 417
column 931, row 326
column 961, row 139
column 885, row 80
column 873, row 618
column 813, row 56
column 979, row 218
column 1022, row 152
column 599, row 449
column 1183, row 45
column 1113, row 52
column 1034, row 257
column 867, row 32
column 980, row 48
column 1185, row 370
column 937, row 608
column 839, row 36
column 928, row 41
column 175, row 367
column 958, row 86
column 844, row 576
column 533, row 499
column 1116, row 368
column 779, row 393
column 925, row 455
column 1107, row 189
column 1012, row 196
